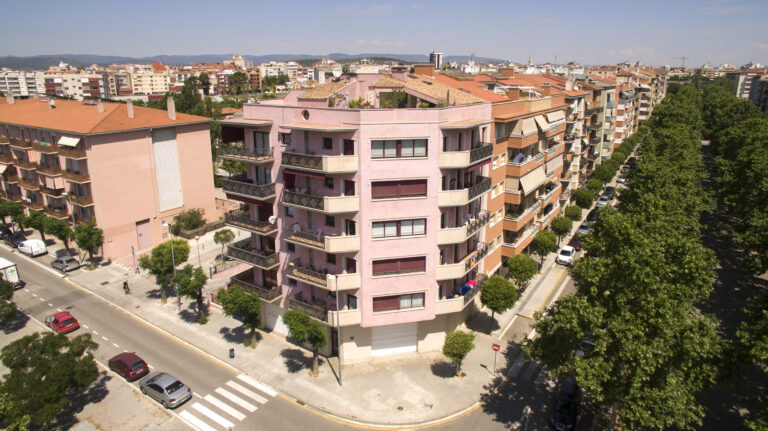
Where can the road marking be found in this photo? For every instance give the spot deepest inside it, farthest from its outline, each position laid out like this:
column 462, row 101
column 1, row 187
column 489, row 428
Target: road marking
column 247, row 392
column 235, row 399
column 213, row 416
column 34, row 294
column 258, row 385
column 532, row 367
column 104, row 338
column 96, row 333
column 150, row 367
column 59, row 309
column 224, row 407
column 85, row 326
column 562, row 273
column 195, row 422
column 26, row 290
column 115, row 345
column 531, row 334
column 196, row 394
column 50, row 305
column 515, row 368
column 41, row 299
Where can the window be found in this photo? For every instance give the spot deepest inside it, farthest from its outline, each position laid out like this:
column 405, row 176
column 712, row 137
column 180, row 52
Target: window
column 291, row 247
column 327, row 143
column 289, row 211
column 398, row 189
column 328, row 182
column 404, row 265
column 391, row 149
column 398, row 302
column 285, row 138
column 390, row 229
column 330, row 221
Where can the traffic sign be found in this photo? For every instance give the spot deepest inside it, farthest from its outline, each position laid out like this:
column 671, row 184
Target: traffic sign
column 496, row 347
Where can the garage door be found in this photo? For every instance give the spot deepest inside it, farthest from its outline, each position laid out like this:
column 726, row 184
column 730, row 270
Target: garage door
column 388, row 340
column 275, row 322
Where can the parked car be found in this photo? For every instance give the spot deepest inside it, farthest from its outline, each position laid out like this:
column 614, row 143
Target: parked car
column 62, row 322
column 10, row 273
column 602, row 202
column 622, row 179
column 575, row 242
column 583, row 229
column 15, row 239
column 610, row 191
column 592, row 216
column 566, row 410
column 585, row 347
column 33, row 247
column 129, row 366
column 5, row 231
column 165, row 389
column 565, row 257
column 65, row 263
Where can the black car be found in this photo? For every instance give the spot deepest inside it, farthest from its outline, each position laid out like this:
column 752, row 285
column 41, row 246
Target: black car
column 567, row 406
column 610, row 191
column 592, row 216
column 5, row 231
column 15, row 239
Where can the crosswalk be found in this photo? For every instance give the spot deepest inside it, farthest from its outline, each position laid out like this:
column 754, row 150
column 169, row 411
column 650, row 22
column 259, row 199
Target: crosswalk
column 228, row 404
column 524, row 370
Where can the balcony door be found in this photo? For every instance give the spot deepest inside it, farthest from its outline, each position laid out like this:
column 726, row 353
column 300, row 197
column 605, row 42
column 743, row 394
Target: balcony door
column 349, row 227
column 263, row 175
column 260, row 142
column 349, row 147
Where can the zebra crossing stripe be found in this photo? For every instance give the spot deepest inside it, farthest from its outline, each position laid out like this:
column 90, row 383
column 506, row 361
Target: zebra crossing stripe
column 213, row 416
column 515, row 368
column 258, row 385
column 195, row 422
column 224, row 407
column 247, row 392
column 529, row 372
column 235, row 399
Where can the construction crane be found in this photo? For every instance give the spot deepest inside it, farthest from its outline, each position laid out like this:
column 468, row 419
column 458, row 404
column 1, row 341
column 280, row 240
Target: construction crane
column 682, row 59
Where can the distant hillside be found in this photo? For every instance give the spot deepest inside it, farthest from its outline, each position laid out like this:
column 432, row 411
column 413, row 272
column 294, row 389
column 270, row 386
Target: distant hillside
column 39, row 62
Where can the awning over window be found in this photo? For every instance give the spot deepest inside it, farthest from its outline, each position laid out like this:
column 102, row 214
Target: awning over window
column 3, row 168
column 68, row 141
column 524, row 127
column 472, row 168
column 533, row 180
column 555, row 116
column 302, row 173
column 543, row 125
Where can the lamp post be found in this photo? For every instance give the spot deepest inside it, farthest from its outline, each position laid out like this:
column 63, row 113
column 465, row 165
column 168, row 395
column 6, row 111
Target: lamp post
column 199, row 261
column 173, row 261
column 332, row 278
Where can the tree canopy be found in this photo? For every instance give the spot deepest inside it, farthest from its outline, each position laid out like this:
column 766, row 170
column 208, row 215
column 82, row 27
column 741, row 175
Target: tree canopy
column 544, row 243
column 498, row 294
column 305, row 330
column 160, row 261
column 457, row 346
column 190, row 282
column 89, row 237
column 522, row 268
column 236, row 301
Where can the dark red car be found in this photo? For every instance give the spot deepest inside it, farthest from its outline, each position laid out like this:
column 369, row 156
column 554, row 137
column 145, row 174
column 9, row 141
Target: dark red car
column 62, row 322
column 129, row 365
column 575, row 242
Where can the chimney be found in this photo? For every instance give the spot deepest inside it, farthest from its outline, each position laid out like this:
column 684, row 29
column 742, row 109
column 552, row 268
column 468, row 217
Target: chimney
column 9, row 99
column 513, row 93
column 569, row 85
column 546, row 90
column 129, row 106
column 100, row 106
column 507, row 71
column 171, row 108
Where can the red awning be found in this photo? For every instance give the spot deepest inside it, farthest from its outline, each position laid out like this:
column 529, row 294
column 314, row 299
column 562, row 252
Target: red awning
column 302, row 173
column 481, row 164
column 243, row 199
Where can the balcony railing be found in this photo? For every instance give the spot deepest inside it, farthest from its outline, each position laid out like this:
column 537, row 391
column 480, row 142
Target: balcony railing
column 307, row 275
column 321, row 163
column 463, row 159
column 312, row 239
column 24, row 164
column 257, row 155
column 244, row 187
column 243, row 251
column 60, row 213
column 48, row 169
column 479, row 280
column 45, row 149
column 21, row 143
column 72, row 153
column 482, row 152
column 317, row 312
column 478, row 222
column 78, row 177
column 518, row 217
column 83, row 201
column 28, row 184
column 328, row 204
column 14, row 197
column 246, row 282
column 482, row 186
column 10, row 177
column 36, row 206
column 51, row 192
column 243, row 220
column 6, row 158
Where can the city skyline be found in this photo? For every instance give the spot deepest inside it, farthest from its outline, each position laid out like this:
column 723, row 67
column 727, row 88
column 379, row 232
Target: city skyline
column 716, row 32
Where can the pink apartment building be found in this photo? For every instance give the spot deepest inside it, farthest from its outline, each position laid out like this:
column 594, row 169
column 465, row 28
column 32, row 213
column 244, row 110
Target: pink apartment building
column 128, row 168
column 381, row 210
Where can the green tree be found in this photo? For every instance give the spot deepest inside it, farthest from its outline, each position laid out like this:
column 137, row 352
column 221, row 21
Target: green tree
column 205, row 83
column 238, row 83
column 45, row 371
column 247, row 305
column 89, row 237
column 223, row 237
column 498, row 294
column 12, row 210
column 583, row 198
column 457, row 346
column 305, row 330
column 11, row 418
column 544, row 243
column 61, row 230
column 594, row 185
column 561, row 226
column 37, row 220
column 7, row 306
column 233, row 167
column 521, row 269
column 160, row 262
column 573, row 212
column 190, row 219
column 190, row 282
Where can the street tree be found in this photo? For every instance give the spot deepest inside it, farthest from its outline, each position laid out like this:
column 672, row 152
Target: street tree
column 10, row 417
column 561, row 226
column 544, row 243
column 521, row 269
column 205, row 83
column 583, row 198
column 190, row 282
column 89, row 237
column 37, row 220
column 160, row 262
column 238, row 83
column 594, row 185
column 753, row 349
column 223, row 237
column 306, row 330
column 12, row 210
column 7, row 306
column 498, row 294
column 45, row 371
column 457, row 346
column 236, row 301
column 573, row 212
column 61, row 230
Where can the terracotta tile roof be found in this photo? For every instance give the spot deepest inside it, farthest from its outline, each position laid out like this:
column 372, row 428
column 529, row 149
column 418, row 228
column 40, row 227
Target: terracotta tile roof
column 388, row 82
column 436, row 90
column 75, row 117
column 602, row 78
column 322, row 92
column 475, row 88
column 227, row 110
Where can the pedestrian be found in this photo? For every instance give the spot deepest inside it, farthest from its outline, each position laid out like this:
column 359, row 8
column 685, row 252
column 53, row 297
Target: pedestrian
column 126, row 288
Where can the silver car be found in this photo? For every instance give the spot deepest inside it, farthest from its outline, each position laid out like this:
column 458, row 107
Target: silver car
column 65, row 264
column 165, row 389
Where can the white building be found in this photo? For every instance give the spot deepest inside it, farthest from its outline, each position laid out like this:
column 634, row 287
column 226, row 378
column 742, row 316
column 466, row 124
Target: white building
column 22, row 84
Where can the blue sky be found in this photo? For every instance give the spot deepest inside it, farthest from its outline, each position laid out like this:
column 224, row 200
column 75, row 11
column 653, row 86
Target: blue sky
column 591, row 32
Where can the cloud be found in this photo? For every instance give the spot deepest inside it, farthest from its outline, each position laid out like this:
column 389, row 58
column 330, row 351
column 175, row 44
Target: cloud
column 722, row 10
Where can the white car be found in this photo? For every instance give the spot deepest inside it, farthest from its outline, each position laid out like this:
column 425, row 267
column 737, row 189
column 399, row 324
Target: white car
column 565, row 257
column 33, row 247
column 602, row 201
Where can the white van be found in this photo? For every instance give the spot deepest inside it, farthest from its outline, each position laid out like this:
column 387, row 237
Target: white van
column 9, row 273
column 33, row 247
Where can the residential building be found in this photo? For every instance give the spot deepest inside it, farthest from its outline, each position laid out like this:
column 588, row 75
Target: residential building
column 83, row 161
column 436, row 59
column 759, row 92
column 77, row 85
column 150, row 82
column 21, row 83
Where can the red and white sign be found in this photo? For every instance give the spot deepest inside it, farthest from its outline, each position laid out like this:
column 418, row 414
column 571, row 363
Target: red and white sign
column 496, row 347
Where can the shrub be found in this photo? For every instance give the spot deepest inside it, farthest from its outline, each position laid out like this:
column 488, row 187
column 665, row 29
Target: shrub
column 573, row 212
column 583, row 198
column 603, row 173
column 217, row 182
column 190, row 219
column 594, row 185
column 619, row 156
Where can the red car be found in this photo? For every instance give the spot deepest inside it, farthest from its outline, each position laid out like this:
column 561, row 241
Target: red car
column 62, row 322
column 129, row 365
column 575, row 242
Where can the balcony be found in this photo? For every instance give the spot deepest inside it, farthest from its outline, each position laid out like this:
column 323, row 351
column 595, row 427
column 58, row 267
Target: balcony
column 315, row 311
column 457, row 235
column 14, row 197
column 48, row 169
column 319, row 278
column 72, row 153
column 243, row 220
column 10, row 177
column 59, row 213
column 518, row 169
column 460, row 269
column 326, row 164
column 460, row 197
column 83, row 201
column 327, row 243
column 44, row 148
column 325, row 204
column 51, row 192
column 245, row 279
column 463, row 159
column 76, row 177
column 6, row 159
column 20, row 143
column 239, row 154
column 243, row 251
column 25, row 164
column 28, row 183
column 35, row 206
column 242, row 186
column 344, row 317
column 522, row 240
column 555, row 151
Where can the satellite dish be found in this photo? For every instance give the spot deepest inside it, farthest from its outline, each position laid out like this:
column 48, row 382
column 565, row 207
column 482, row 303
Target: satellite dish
column 272, row 219
column 336, row 72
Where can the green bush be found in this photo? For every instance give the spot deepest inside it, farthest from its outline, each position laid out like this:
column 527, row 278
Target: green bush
column 619, row 156
column 217, row 182
column 603, row 173
column 573, row 212
column 583, row 198
column 612, row 166
column 190, row 219
column 594, row 185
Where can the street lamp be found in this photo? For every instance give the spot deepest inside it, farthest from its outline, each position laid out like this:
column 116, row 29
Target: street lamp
column 332, row 278
column 199, row 262
column 173, row 261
